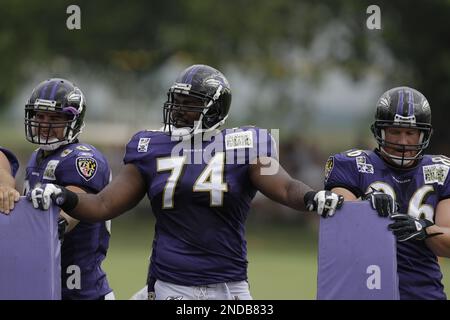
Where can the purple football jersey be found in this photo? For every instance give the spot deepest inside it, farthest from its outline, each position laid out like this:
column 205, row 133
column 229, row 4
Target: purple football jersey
column 418, row 190
column 85, row 246
column 13, row 162
column 200, row 193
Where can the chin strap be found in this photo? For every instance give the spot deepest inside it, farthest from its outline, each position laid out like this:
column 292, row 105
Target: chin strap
column 399, row 161
column 53, row 146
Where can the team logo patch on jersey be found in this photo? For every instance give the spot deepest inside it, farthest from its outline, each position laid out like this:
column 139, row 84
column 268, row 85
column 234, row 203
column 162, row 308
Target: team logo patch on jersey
column 83, row 148
column 49, row 172
column 143, row 144
column 66, row 152
column 435, row 173
column 364, row 167
column 329, row 167
column 239, row 140
column 86, row 167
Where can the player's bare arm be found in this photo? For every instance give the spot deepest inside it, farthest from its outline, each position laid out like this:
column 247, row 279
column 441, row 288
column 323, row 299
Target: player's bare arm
column 122, row 194
column 383, row 203
column 8, row 193
column 280, row 187
column 348, row 195
column 440, row 244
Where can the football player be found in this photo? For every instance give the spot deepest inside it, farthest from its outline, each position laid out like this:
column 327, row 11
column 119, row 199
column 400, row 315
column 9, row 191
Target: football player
column 398, row 171
column 8, row 169
column 200, row 181
column 54, row 119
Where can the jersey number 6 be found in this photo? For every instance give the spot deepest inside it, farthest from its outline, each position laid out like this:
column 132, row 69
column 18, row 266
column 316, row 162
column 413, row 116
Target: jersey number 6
column 416, row 208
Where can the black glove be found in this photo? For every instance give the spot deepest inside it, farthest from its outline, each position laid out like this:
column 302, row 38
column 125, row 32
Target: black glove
column 406, row 227
column 324, row 202
column 382, row 202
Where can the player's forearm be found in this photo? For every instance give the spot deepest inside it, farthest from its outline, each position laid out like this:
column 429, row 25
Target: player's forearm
column 348, row 195
column 440, row 244
column 91, row 208
column 295, row 193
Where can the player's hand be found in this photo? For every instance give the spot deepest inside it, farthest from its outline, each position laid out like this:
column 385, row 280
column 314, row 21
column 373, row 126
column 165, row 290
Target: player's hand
column 324, row 202
column 8, row 196
column 42, row 196
column 406, row 227
column 382, row 202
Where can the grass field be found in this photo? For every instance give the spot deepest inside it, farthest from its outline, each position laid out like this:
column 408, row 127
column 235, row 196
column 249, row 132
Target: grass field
column 282, row 259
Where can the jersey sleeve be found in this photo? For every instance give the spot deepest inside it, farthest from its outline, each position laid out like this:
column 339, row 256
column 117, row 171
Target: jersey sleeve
column 440, row 175
column 138, row 150
column 341, row 171
column 13, row 162
column 88, row 170
column 247, row 144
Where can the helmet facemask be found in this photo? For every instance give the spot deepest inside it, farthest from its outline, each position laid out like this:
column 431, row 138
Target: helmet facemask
column 379, row 132
column 176, row 115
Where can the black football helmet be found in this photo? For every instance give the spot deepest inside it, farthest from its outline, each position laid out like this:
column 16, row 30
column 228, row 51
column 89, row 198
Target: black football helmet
column 200, row 83
column 57, row 96
column 403, row 107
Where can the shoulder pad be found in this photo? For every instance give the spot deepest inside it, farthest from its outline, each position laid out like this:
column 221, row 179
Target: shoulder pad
column 66, row 152
column 438, row 159
column 83, row 148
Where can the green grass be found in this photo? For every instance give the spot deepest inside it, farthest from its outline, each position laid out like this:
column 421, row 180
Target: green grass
column 282, row 259
column 127, row 259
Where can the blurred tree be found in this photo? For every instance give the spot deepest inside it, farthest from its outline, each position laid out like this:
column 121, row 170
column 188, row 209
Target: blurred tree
column 271, row 37
column 416, row 33
column 137, row 36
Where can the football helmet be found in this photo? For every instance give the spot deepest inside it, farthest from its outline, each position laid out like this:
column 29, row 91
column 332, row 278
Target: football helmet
column 54, row 96
column 402, row 107
column 200, row 90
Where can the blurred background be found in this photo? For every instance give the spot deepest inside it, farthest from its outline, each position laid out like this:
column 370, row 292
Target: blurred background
column 312, row 69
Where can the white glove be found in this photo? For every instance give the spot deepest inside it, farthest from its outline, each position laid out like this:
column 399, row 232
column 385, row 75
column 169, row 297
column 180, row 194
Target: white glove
column 324, row 202
column 41, row 197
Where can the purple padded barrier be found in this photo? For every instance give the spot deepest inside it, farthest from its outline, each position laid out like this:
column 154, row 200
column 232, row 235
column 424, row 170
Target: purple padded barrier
column 357, row 256
column 30, row 267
